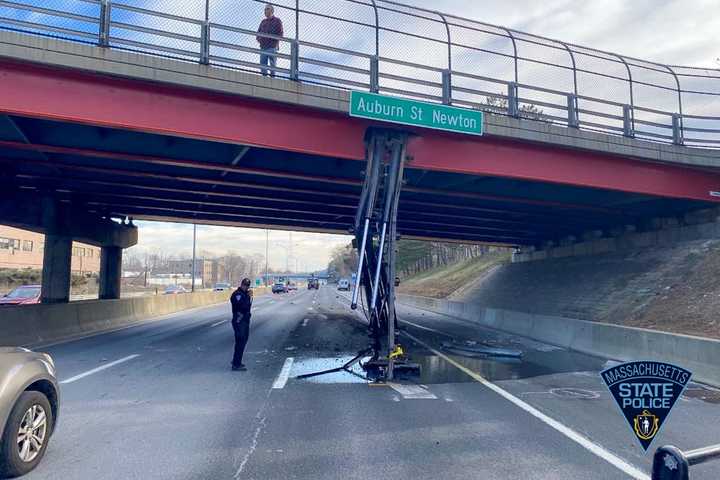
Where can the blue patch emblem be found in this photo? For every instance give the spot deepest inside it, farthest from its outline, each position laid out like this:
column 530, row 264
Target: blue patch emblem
column 646, row 392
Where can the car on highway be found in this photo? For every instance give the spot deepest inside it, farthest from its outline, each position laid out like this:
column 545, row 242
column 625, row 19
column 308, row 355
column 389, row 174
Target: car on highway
column 344, row 284
column 221, row 287
column 29, row 402
column 24, row 295
column 279, row 288
column 313, row 284
column 175, row 290
column 291, row 286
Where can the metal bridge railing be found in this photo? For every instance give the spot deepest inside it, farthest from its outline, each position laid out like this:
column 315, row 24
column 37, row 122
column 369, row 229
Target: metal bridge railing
column 670, row 463
column 387, row 47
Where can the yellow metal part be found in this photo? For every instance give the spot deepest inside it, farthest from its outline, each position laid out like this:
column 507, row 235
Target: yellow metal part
column 398, row 352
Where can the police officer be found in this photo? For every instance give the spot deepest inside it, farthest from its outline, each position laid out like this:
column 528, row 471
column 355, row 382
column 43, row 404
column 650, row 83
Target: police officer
column 241, row 301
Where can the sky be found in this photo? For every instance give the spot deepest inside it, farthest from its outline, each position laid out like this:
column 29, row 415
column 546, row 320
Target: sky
column 676, row 32
column 310, row 251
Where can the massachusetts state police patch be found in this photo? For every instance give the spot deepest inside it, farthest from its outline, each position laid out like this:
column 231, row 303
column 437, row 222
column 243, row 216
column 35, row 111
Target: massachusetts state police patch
column 646, row 392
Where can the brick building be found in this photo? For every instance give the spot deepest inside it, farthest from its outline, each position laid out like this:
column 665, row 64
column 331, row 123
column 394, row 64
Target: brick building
column 21, row 249
column 210, row 271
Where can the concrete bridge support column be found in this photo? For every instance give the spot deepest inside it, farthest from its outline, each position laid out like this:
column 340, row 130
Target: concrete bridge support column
column 56, row 274
column 110, row 272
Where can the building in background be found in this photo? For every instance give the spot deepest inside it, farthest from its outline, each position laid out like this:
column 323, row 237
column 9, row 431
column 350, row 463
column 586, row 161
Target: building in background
column 22, row 249
column 207, row 272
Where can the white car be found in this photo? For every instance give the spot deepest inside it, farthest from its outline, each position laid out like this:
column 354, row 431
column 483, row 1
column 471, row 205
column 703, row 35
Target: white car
column 344, row 284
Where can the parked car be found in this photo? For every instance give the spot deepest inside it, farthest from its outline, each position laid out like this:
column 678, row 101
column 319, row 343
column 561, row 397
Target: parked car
column 279, row 288
column 175, row 290
column 29, row 402
column 313, row 283
column 344, row 284
column 25, row 295
column 221, row 287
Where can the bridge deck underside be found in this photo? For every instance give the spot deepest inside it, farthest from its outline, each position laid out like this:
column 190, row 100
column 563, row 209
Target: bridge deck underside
column 158, row 177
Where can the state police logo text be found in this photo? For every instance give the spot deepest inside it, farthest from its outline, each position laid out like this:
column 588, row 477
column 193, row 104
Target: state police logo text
column 646, row 392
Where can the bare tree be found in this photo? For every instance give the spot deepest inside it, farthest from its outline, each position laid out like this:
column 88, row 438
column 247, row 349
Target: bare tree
column 499, row 105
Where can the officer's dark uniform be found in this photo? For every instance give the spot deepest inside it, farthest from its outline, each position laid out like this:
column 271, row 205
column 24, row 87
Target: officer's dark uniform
column 241, row 304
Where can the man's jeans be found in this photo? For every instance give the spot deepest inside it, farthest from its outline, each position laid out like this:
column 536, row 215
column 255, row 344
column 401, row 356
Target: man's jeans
column 268, row 58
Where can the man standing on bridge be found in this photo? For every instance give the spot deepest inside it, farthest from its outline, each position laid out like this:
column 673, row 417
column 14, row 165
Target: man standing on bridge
column 241, row 301
column 271, row 25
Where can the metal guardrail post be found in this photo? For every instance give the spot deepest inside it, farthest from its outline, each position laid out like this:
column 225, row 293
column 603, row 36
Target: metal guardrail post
column 628, row 129
column 513, row 103
column 205, row 43
column 104, row 32
column 572, row 110
column 677, row 129
column 447, row 87
column 294, row 61
column 374, row 74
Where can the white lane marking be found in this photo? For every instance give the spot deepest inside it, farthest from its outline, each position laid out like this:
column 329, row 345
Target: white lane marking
column 421, row 327
column 253, row 447
column 99, row 369
column 305, row 322
column 218, row 323
column 412, row 392
column 262, row 422
column 583, row 441
column 284, row 374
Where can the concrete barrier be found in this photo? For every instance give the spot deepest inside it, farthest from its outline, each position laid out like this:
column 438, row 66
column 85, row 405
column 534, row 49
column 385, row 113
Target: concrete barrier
column 42, row 324
column 697, row 354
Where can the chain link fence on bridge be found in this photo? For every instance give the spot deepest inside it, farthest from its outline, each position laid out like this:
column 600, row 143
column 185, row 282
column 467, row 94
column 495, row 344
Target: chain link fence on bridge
column 391, row 48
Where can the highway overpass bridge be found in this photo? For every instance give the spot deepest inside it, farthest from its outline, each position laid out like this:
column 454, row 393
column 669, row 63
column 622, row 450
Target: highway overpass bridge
column 111, row 111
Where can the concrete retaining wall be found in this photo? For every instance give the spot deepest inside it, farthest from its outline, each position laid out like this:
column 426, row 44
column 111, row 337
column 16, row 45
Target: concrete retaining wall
column 661, row 232
column 699, row 355
column 42, row 324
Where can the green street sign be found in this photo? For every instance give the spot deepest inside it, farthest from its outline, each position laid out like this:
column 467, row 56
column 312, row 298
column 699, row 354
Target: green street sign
column 419, row 114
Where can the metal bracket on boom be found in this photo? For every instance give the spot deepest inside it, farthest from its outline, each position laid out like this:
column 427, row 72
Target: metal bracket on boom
column 376, row 237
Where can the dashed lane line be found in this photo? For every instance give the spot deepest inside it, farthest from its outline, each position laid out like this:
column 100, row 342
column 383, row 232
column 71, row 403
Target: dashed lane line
column 284, row 374
column 99, row 369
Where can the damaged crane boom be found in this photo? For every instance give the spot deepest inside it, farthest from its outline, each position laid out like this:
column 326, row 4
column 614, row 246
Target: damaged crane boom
column 376, row 237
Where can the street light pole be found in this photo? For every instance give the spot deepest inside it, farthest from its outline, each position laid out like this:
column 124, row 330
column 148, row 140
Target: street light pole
column 192, row 271
column 267, row 239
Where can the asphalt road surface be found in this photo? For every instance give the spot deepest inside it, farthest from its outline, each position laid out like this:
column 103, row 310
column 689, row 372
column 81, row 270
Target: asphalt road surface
column 159, row 401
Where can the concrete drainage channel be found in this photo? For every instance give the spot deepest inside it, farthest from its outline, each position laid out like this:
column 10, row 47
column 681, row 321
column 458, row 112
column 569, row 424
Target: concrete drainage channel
column 699, row 355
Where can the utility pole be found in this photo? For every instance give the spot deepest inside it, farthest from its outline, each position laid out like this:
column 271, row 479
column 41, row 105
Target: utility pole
column 288, row 254
column 267, row 240
column 192, row 270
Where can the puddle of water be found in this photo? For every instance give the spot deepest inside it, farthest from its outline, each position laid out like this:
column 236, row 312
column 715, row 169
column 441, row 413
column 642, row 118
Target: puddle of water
column 533, row 363
column 701, row 393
